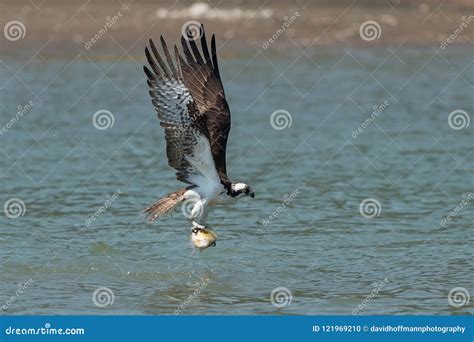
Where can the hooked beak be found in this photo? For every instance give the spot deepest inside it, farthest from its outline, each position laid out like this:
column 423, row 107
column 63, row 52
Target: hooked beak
column 252, row 194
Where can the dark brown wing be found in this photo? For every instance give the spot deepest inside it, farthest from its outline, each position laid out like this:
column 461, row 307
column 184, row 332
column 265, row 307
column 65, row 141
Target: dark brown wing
column 201, row 76
column 187, row 137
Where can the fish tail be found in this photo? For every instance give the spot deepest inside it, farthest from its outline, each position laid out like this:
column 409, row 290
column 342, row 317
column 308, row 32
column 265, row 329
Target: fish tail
column 164, row 205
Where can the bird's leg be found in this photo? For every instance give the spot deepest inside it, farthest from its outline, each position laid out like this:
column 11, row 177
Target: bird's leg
column 199, row 215
column 198, row 226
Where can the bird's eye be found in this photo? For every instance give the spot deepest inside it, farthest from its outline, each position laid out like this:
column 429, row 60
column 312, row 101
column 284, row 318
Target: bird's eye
column 194, row 230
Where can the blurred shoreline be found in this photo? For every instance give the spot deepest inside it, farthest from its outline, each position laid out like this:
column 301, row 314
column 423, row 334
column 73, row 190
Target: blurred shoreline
column 110, row 28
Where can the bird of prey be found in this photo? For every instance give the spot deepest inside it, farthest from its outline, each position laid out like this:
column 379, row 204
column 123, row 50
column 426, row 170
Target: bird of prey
column 188, row 95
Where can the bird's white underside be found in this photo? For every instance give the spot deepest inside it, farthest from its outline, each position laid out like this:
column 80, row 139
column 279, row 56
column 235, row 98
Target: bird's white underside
column 209, row 189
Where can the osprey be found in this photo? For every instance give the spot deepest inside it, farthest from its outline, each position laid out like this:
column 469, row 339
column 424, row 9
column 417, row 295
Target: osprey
column 189, row 97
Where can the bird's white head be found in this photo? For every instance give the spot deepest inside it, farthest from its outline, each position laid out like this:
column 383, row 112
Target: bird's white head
column 240, row 190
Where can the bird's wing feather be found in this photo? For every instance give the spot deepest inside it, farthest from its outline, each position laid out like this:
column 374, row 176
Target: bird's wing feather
column 187, row 137
column 201, row 76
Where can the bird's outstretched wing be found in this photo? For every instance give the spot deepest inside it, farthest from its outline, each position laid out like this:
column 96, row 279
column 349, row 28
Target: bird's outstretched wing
column 187, row 137
column 201, row 76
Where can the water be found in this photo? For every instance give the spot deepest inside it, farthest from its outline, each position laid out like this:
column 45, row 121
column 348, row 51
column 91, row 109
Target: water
column 318, row 245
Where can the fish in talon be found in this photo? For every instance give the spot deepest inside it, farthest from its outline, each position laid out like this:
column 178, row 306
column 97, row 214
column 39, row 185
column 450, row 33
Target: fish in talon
column 203, row 238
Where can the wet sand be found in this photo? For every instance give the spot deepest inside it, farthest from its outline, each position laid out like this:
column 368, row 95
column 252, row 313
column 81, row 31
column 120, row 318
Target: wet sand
column 108, row 28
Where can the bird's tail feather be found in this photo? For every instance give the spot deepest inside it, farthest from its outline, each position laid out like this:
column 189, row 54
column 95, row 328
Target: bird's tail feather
column 164, row 205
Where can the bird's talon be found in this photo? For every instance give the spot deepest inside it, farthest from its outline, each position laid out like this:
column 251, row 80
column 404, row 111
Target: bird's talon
column 197, row 227
column 196, row 230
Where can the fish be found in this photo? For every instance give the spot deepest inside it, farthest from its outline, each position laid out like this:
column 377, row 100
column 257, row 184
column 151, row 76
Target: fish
column 203, row 238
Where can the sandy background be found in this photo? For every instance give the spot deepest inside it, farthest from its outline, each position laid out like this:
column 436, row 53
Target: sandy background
column 63, row 27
